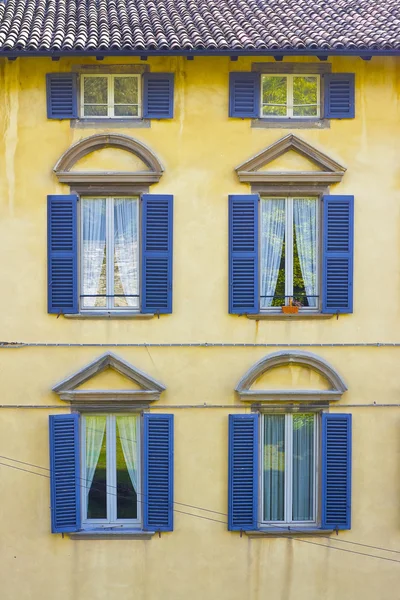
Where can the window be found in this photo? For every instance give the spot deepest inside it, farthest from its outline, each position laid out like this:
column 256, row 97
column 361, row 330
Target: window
column 289, row 252
column 111, row 468
column 290, row 96
column 289, row 468
column 111, row 96
column 110, row 253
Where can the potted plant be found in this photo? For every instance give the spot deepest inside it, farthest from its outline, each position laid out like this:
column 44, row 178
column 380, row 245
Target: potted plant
column 292, row 308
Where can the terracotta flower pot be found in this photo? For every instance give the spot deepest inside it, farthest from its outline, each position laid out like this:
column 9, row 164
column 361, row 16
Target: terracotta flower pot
column 290, row 310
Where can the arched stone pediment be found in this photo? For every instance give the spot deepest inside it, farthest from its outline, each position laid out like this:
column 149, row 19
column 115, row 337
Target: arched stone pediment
column 65, row 164
column 333, row 390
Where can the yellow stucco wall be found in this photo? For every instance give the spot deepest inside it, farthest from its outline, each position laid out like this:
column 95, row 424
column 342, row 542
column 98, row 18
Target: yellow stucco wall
column 199, row 149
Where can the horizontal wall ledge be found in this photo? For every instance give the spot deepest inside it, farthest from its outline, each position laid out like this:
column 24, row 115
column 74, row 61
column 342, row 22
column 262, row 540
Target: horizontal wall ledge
column 285, row 317
column 272, row 532
column 111, row 535
column 110, row 315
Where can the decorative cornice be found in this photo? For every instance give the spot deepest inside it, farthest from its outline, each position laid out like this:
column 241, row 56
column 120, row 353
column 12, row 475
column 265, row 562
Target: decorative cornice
column 331, row 171
column 296, row 357
column 99, row 141
column 150, row 389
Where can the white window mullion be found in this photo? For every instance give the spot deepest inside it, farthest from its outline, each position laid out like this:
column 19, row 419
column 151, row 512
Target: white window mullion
column 110, row 252
column 289, row 250
column 288, row 468
column 290, row 96
column 111, row 471
column 110, row 96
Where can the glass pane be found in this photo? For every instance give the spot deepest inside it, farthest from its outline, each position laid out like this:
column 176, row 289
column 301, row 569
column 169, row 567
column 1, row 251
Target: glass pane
column 126, row 90
column 273, row 217
column 303, row 467
column 95, row 90
column 274, row 93
column 96, row 472
column 122, row 110
column 126, row 252
column 95, row 111
column 305, row 290
column 274, row 467
column 93, row 252
column 305, row 92
column 127, row 467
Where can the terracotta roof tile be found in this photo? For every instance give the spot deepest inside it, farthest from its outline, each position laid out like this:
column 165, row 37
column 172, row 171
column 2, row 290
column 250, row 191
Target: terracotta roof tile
column 209, row 25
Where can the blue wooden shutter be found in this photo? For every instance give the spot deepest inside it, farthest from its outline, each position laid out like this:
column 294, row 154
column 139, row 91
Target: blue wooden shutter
column 62, row 257
column 243, row 472
column 62, row 95
column 158, row 96
column 244, row 95
column 243, row 254
column 64, row 473
column 338, row 242
column 336, row 471
column 157, row 224
column 158, row 476
column 339, row 96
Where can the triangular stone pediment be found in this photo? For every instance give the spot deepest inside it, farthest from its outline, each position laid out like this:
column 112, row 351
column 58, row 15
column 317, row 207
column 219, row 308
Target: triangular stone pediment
column 258, row 168
column 77, row 389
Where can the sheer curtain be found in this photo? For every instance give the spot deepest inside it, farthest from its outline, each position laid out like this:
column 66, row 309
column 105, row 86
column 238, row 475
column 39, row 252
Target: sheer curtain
column 272, row 235
column 94, row 244
column 274, row 467
column 303, row 467
column 95, row 428
column 127, row 428
column 305, row 222
column 126, row 247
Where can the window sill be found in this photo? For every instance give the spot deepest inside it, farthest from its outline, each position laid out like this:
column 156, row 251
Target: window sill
column 272, row 532
column 110, row 315
column 283, row 317
column 291, row 123
column 109, row 123
column 101, row 534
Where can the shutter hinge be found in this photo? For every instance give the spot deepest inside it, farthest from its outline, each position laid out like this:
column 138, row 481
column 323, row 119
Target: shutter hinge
column 60, row 313
column 158, row 314
column 159, row 533
column 337, row 530
column 241, row 533
column 337, row 315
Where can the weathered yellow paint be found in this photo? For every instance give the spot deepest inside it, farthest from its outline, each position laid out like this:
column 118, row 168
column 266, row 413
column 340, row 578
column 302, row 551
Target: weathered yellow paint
column 199, row 149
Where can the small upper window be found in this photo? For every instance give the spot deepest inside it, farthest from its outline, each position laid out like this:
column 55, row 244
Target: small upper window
column 290, row 96
column 110, row 253
column 111, row 96
column 289, row 253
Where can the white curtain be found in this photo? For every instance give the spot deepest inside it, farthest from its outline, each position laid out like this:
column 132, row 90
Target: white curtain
column 94, row 243
column 272, row 235
column 127, row 428
column 305, row 222
column 126, row 248
column 303, row 467
column 274, row 467
column 95, row 428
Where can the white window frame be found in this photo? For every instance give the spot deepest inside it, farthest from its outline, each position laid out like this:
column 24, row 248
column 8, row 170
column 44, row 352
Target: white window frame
column 111, row 477
column 109, row 305
column 110, row 97
column 289, row 472
column 289, row 97
column 289, row 225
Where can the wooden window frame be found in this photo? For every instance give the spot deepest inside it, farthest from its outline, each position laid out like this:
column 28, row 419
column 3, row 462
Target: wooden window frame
column 110, row 96
column 290, row 98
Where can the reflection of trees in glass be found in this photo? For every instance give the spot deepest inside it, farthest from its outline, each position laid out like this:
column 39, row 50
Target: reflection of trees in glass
column 277, row 103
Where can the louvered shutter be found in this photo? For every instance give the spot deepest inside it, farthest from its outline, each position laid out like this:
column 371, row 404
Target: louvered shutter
column 64, row 473
column 157, row 224
column 338, row 242
column 339, row 96
column 243, row 254
column 243, row 472
column 62, row 256
column 244, row 95
column 158, row 476
column 62, row 95
column 336, row 471
column 158, row 96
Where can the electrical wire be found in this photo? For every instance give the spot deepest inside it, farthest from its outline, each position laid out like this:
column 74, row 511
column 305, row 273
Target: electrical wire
column 225, row 523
